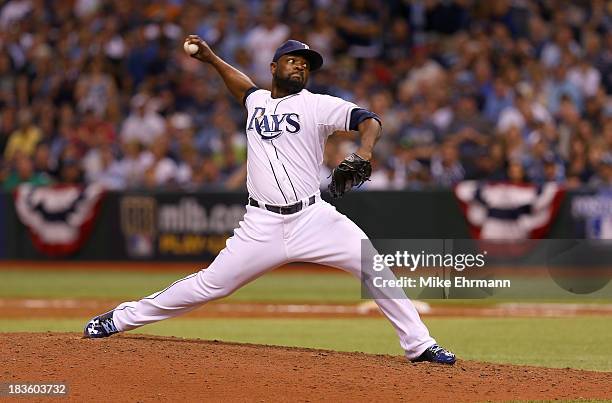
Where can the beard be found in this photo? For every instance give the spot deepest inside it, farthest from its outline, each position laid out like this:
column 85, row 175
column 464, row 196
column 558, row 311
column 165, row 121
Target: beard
column 287, row 84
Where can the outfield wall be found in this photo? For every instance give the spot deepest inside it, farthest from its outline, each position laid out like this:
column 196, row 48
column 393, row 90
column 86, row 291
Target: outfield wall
column 170, row 226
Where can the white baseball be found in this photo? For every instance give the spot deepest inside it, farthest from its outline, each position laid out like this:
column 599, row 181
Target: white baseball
column 190, row 48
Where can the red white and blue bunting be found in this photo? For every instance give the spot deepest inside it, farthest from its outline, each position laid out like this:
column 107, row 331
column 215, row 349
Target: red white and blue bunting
column 59, row 218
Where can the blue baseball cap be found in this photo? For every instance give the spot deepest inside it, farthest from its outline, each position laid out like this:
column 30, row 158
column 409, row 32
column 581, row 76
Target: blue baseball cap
column 315, row 60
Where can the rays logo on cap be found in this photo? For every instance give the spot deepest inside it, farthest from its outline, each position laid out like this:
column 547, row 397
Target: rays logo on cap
column 315, row 60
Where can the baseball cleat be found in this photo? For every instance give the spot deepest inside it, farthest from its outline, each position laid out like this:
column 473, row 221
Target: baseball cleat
column 100, row 326
column 436, row 354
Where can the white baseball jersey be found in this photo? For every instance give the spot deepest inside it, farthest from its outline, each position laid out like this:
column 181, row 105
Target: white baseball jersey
column 286, row 139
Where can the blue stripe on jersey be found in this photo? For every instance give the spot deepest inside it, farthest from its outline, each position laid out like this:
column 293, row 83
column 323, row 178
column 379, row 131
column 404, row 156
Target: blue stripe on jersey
column 277, row 183
column 276, row 150
column 279, row 160
column 284, row 99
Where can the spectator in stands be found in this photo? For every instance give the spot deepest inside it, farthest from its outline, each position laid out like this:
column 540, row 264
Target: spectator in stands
column 143, row 124
column 408, row 171
column 133, row 164
column 563, row 43
column 262, row 42
column 235, row 40
column 86, row 70
column 578, row 168
column 322, row 35
column 8, row 80
column 160, row 169
column 490, row 163
column 525, row 114
column 207, row 175
column 467, row 124
column 96, row 91
column 24, row 173
column 381, row 179
column 554, row 171
column 585, row 77
column 108, row 172
column 25, row 138
column 419, row 131
column 446, row 169
column 229, row 151
column 93, row 130
column 397, row 40
column 189, row 161
column 603, row 173
column 70, row 171
column 68, row 137
column 359, row 27
column 424, row 74
column 604, row 61
column 560, row 86
column 515, row 172
column 381, row 103
column 497, row 97
column 43, row 162
column 8, row 124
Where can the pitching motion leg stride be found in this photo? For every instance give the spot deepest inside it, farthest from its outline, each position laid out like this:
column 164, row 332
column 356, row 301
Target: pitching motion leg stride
column 263, row 241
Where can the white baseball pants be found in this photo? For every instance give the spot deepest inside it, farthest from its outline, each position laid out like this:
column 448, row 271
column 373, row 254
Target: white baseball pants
column 263, row 241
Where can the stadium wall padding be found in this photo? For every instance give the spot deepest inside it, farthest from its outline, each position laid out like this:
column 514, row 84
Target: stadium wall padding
column 180, row 226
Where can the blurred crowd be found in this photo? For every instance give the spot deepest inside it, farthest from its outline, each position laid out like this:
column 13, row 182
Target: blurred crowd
column 505, row 90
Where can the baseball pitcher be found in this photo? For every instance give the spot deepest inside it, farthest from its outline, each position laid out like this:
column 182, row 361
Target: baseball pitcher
column 286, row 219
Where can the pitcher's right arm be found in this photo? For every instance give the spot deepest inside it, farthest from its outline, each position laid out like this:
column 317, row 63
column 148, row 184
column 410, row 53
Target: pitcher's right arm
column 236, row 81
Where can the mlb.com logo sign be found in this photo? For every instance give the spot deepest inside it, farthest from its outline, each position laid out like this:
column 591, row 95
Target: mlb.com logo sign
column 595, row 211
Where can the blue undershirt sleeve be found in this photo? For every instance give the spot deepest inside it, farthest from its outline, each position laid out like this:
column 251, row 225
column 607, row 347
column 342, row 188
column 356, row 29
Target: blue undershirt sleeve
column 358, row 115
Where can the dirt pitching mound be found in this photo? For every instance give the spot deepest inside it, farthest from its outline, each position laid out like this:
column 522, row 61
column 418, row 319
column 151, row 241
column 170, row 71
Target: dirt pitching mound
column 146, row 368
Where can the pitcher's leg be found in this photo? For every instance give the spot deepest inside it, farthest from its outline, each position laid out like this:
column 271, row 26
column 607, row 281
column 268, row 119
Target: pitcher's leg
column 334, row 240
column 253, row 250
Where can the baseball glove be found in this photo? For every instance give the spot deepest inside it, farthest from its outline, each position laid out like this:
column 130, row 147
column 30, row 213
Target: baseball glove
column 352, row 171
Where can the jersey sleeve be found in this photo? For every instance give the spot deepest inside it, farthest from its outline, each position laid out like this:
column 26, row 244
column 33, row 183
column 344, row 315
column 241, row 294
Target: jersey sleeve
column 247, row 95
column 333, row 113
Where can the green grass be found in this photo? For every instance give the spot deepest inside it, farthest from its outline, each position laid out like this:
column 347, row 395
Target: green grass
column 273, row 287
column 580, row 342
column 277, row 287
column 550, row 342
column 81, row 284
